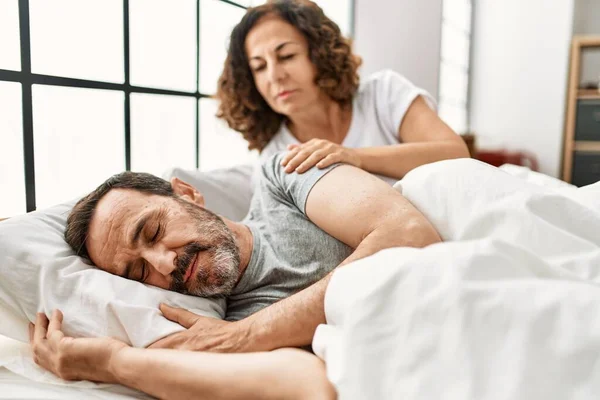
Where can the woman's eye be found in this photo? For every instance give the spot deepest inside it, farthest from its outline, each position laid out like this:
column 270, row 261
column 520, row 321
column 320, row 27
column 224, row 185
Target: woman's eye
column 259, row 68
column 288, row 57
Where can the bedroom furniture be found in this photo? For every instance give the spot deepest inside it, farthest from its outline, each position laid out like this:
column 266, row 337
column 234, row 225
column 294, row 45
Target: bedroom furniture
column 581, row 149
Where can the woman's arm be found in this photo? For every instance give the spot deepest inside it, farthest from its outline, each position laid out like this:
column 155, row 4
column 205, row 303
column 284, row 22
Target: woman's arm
column 174, row 374
column 425, row 139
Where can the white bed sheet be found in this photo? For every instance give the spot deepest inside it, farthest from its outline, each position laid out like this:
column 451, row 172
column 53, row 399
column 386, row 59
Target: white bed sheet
column 506, row 309
column 18, row 382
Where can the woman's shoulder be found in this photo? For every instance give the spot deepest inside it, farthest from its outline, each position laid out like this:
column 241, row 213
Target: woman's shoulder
column 385, row 86
column 383, row 79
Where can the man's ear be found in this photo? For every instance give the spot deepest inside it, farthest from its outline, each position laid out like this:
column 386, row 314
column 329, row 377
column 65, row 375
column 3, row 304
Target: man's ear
column 187, row 192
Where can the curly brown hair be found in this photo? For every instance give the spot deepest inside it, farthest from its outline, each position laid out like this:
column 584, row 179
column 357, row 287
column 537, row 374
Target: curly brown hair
column 242, row 106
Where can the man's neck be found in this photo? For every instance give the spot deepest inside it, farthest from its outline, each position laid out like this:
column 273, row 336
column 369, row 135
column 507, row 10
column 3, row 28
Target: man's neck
column 244, row 241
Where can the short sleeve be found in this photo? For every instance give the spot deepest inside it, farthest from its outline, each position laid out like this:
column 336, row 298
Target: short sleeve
column 293, row 187
column 394, row 94
column 278, row 143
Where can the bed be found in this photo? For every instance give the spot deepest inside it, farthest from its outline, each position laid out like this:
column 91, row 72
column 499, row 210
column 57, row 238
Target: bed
column 506, row 308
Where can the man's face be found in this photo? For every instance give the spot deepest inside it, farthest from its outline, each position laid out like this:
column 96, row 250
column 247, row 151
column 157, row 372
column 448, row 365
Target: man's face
column 163, row 241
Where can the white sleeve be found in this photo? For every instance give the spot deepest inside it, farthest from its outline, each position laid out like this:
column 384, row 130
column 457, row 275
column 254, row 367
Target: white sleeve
column 393, row 95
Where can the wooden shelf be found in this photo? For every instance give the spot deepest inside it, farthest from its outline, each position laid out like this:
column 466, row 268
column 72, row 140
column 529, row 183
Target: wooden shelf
column 573, row 95
column 588, row 94
column 586, row 41
column 587, row 146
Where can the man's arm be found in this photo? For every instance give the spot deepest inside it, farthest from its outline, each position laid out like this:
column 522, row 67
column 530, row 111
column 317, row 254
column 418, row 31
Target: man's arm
column 173, row 374
column 351, row 205
column 359, row 210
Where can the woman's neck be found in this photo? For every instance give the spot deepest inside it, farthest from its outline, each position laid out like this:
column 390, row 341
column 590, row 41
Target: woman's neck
column 326, row 119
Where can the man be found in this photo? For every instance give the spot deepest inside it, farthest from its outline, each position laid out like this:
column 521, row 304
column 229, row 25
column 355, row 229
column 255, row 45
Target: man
column 273, row 267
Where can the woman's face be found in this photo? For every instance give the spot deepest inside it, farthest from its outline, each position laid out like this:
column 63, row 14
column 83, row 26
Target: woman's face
column 283, row 72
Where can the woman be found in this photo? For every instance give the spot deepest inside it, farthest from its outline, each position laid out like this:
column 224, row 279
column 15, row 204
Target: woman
column 290, row 82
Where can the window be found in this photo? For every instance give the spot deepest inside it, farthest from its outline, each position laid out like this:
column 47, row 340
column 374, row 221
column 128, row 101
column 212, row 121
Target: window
column 88, row 89
column 12, row 178
column 340, row 12
column 9, row 32
column 454, row 66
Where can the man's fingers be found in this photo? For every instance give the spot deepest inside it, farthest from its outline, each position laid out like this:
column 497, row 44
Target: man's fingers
column 41, row 324
column 161, row 344
column 170, row 342
column 55, row 322
column 183, row 317
column 31, row 329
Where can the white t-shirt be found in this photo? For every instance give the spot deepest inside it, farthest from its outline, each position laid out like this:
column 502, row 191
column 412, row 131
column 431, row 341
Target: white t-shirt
column 378, row 108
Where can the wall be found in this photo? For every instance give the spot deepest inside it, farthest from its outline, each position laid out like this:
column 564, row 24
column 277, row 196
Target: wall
column 519, row 76
column 403, row 35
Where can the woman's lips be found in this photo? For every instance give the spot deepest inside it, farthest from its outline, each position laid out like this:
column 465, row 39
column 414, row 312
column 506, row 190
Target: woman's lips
column 191, row 269
column 285, row 94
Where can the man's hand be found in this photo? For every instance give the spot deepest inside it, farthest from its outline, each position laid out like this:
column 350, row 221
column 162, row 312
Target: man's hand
column 203, row 333
column 69, row 358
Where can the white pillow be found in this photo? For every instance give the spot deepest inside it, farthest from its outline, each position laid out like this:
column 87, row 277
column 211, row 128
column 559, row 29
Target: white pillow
column 226, row 191
column 40, row 272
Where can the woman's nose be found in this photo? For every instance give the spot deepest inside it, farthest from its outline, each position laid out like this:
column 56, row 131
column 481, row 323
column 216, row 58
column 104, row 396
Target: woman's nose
column 276, row 72
column 161, row 259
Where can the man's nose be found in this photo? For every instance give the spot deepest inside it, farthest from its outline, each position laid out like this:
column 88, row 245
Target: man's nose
column 161, row 259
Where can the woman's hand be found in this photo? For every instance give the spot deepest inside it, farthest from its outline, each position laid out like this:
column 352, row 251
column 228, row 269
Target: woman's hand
column 319, row 152
column 69, row 358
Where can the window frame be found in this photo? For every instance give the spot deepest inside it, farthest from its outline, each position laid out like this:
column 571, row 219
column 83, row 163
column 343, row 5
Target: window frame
column 27, row 79
column 452, row 102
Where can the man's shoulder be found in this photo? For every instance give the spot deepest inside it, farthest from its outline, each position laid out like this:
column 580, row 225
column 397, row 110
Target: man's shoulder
column 271, row 168
column 293, row 187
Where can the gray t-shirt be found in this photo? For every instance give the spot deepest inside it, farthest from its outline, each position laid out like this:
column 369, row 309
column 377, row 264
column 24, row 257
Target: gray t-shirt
column 289, row 252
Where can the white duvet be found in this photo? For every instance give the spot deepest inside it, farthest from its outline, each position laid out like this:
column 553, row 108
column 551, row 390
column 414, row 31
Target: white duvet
column 510, row 309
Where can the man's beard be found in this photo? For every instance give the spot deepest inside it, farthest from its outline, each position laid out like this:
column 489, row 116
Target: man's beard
column 217, row 276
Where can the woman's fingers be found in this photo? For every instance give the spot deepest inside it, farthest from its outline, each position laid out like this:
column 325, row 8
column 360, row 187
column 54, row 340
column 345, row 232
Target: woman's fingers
column 300, row 154
column 328, row 160
column 298, row 159
column 289, row 155
column 311, row 161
